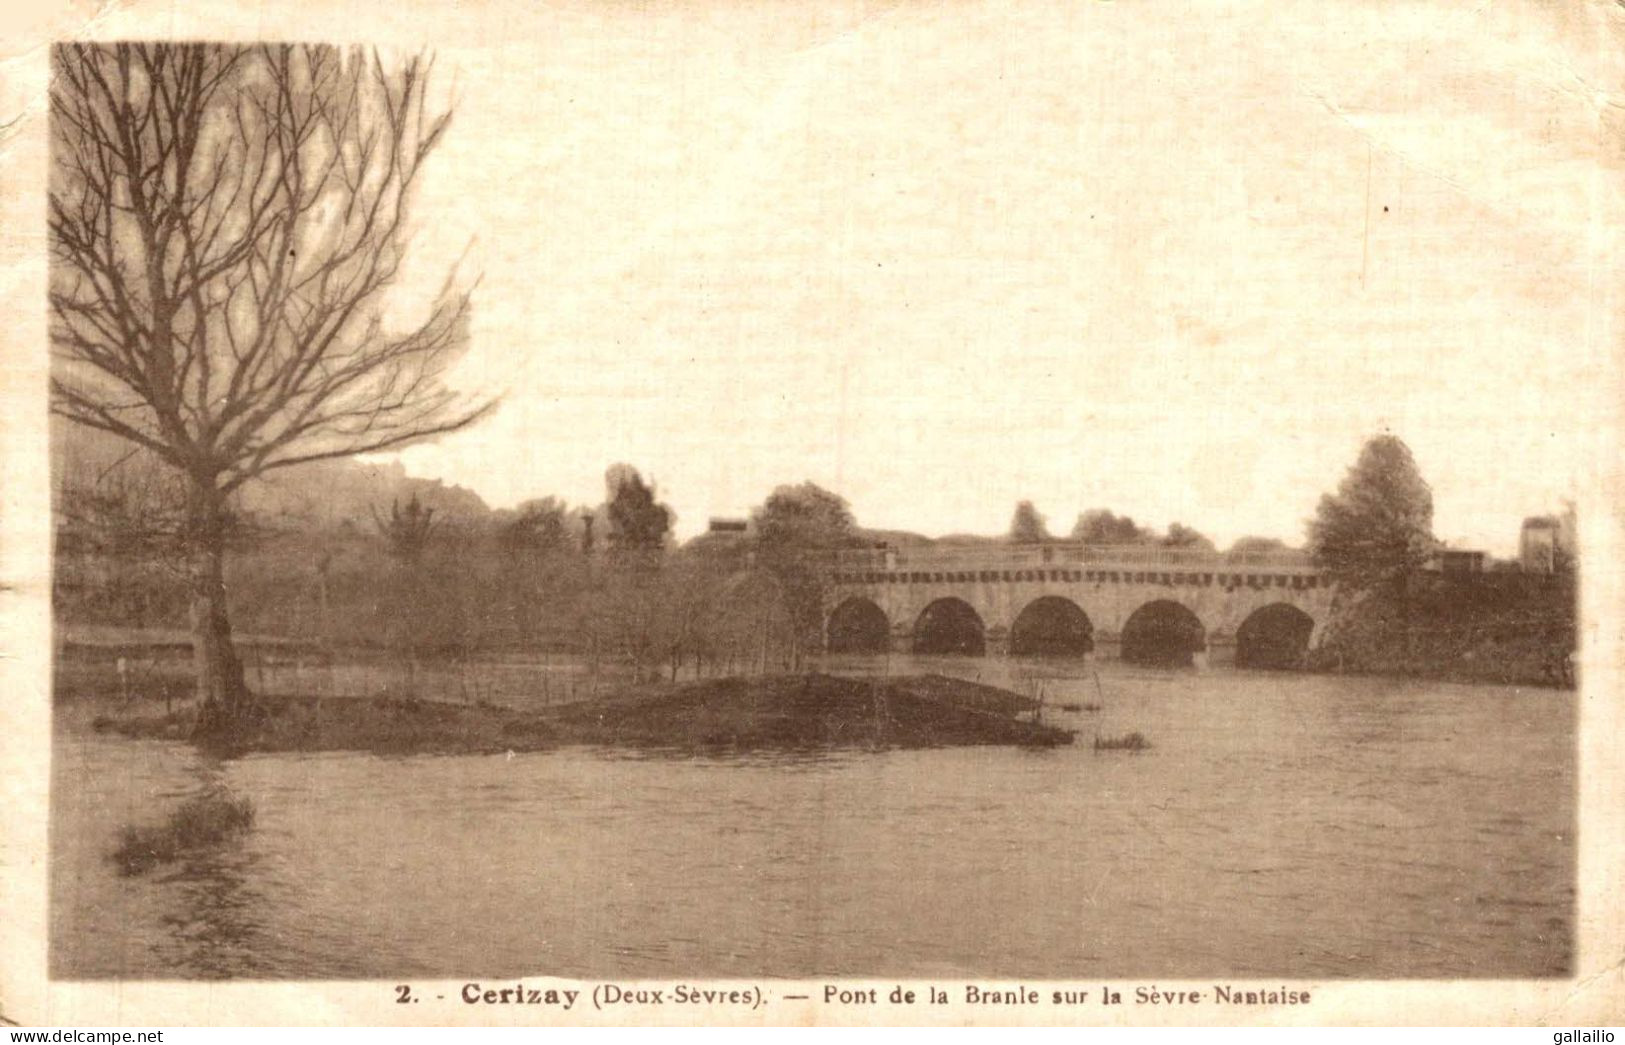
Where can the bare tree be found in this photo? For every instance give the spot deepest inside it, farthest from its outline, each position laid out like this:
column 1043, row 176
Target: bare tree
column 225, row 225
column 118, row 529
column 127, row 508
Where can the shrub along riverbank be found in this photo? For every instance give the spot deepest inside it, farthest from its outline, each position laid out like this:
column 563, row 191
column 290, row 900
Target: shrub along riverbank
column 1514, row 630
column 200, row 822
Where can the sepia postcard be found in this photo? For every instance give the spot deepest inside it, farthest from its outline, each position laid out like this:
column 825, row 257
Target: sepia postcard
column 810, row 513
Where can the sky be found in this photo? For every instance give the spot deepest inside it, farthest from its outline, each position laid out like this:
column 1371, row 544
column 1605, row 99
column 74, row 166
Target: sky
column 941, row 257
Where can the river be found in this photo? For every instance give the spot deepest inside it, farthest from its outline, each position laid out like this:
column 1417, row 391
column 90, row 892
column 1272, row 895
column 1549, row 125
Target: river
column 1280, row 826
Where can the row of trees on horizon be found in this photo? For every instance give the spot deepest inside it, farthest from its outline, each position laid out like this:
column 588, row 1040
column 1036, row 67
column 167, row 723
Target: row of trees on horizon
column 118, row 501
column 1102, row 526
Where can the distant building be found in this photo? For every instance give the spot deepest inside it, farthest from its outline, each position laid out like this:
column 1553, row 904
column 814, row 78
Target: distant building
column 1456, row 562
column 726, row 536
column 1546, row 541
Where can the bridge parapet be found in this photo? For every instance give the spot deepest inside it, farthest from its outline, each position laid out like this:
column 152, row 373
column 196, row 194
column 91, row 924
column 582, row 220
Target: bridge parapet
column 1063, row 553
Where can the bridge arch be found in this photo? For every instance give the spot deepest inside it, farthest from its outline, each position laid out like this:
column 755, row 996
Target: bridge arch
column 858, row 625
column 1274, row 637
column 950, row 625
column 1163, row 633
column 1052, row 626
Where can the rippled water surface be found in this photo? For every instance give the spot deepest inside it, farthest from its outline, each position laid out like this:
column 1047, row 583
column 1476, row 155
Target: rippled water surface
column 1280, row 826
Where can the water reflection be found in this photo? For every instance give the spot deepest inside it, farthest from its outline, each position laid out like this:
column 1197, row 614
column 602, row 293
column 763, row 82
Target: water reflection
column 215, row 923
column 786, row 758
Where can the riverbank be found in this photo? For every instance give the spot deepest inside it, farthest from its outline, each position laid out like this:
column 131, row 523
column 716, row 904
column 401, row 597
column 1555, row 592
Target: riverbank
column 1513, row 633
column 1522, row 662
column 787, row 712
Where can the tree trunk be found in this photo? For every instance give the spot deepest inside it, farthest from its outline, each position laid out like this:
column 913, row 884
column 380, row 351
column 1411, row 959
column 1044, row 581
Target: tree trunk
column 1405, row 614
column 221, row 691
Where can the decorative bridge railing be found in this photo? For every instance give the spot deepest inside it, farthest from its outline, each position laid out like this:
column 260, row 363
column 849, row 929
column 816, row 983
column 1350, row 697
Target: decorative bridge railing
column 1060, row 555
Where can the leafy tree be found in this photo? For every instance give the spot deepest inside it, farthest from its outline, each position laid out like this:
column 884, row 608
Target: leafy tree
column 407, row 531
column 1027, row 526
column 1181, row 536
column 538, row 575
column 1376, row 531
column 1378, row 527
column 225, row 223
column 541, row 527
column 793, row 526
column 637, row 522
column 803, row 518
column 1101, row 526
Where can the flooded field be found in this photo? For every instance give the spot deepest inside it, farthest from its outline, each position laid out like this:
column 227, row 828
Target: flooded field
column 1280, row 825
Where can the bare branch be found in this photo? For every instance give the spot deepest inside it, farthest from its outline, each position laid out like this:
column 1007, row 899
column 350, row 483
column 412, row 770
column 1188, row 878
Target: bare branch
column 226, row 223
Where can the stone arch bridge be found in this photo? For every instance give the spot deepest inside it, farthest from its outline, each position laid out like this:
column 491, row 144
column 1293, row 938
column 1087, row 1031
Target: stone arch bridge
column 1144, row 604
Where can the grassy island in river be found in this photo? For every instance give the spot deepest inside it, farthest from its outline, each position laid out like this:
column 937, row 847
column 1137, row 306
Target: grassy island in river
column 789, row 712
